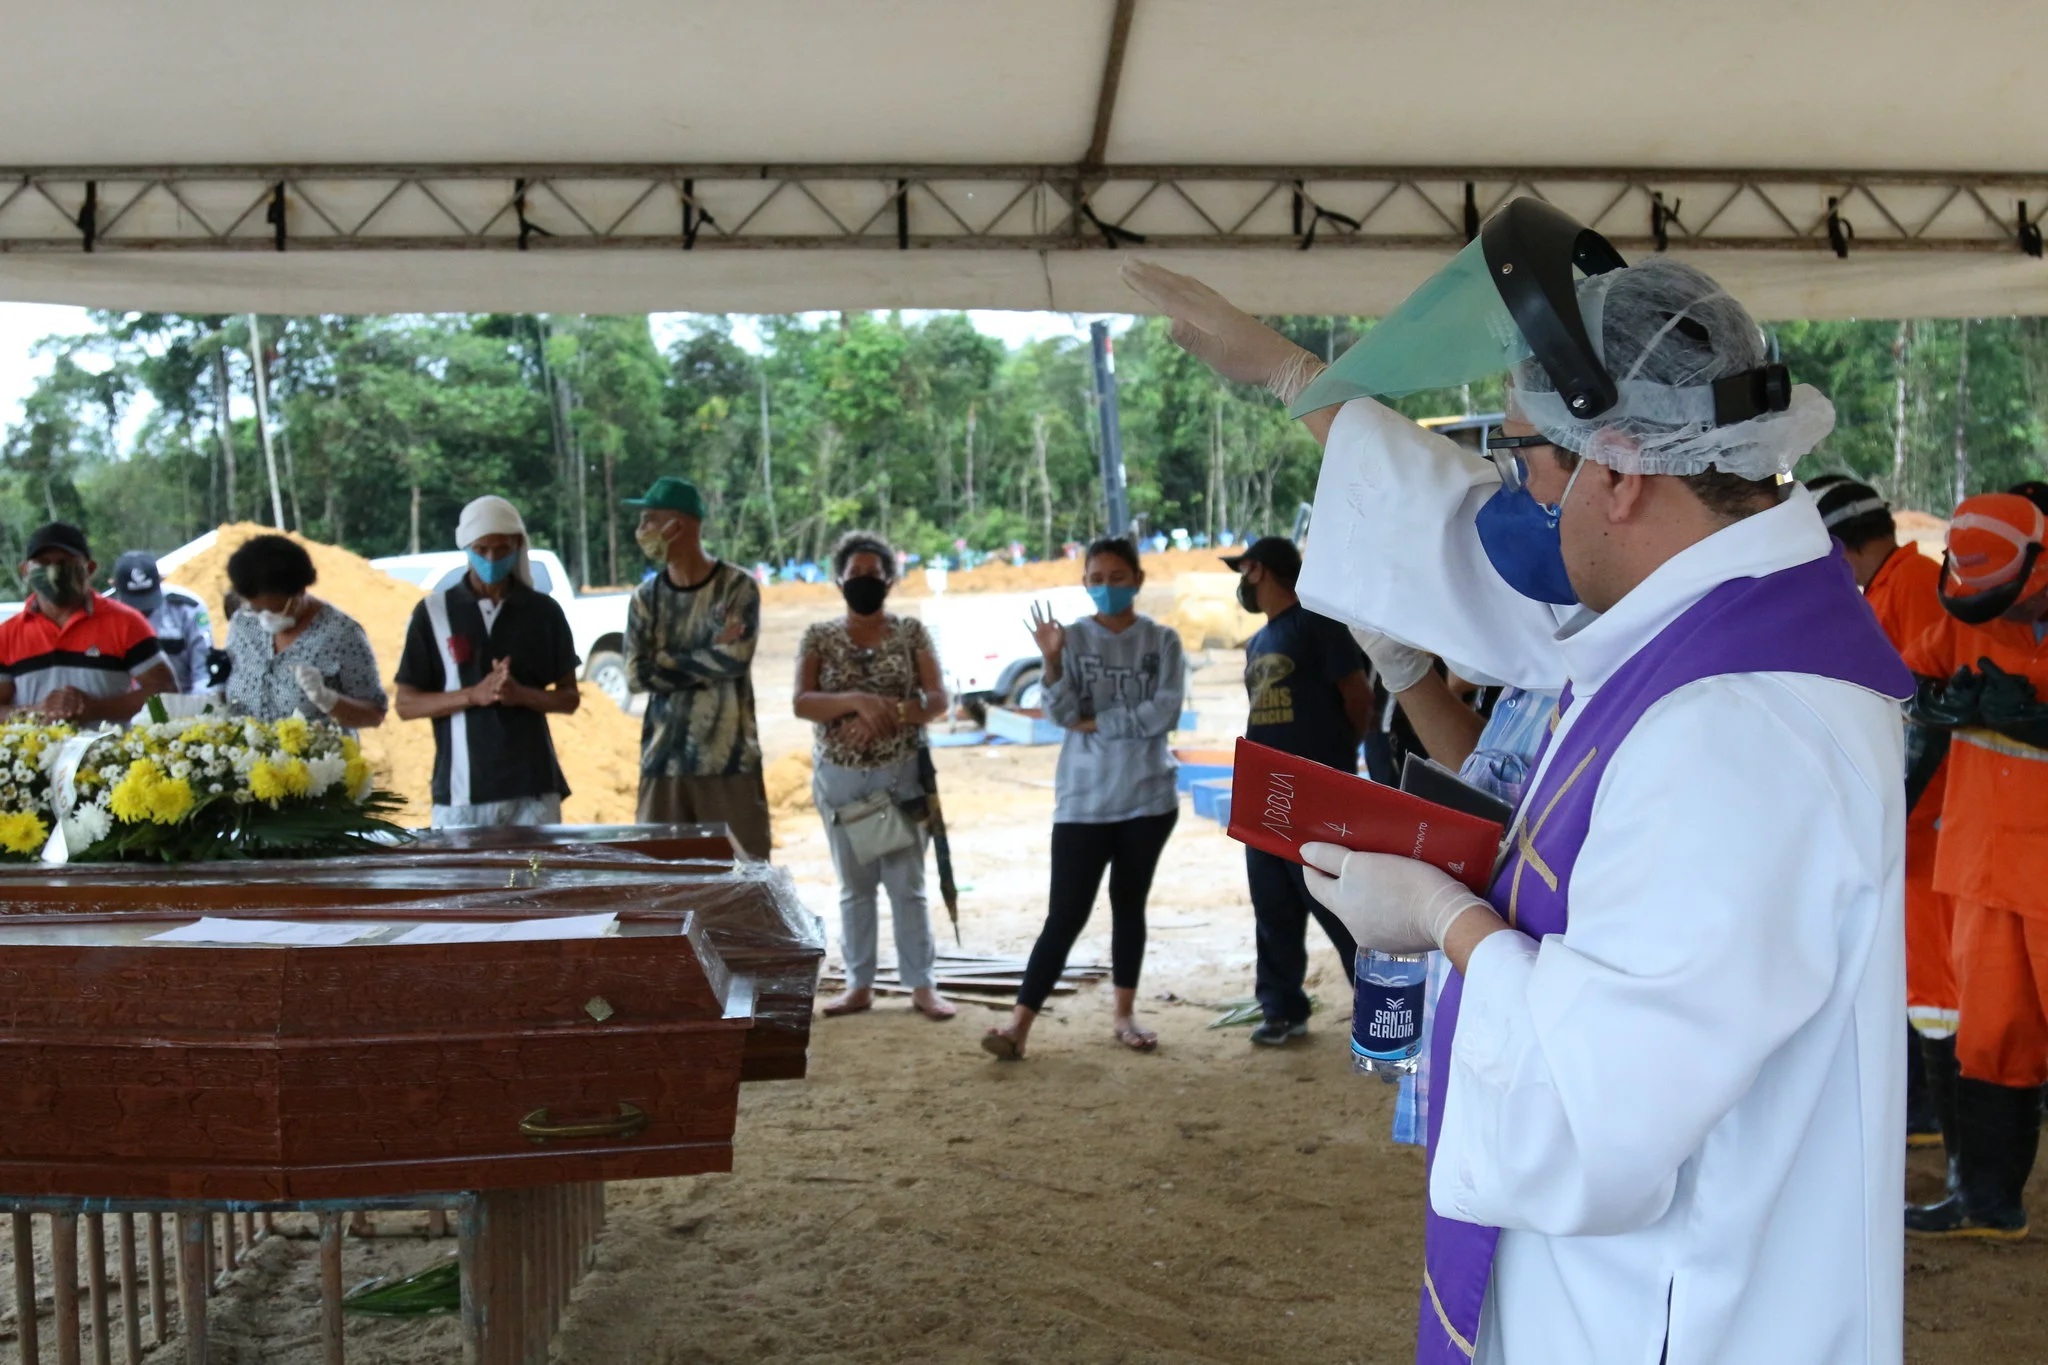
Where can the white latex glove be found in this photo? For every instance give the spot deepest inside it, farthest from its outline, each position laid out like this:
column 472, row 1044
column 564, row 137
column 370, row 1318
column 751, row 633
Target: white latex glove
column 1399, row 666
column 1220, row 334
column 315, row 687
column 1389, row 903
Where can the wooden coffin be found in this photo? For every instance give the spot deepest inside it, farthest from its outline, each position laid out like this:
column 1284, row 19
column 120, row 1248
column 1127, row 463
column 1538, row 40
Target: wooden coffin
column 154, row 1071
column 750, row 916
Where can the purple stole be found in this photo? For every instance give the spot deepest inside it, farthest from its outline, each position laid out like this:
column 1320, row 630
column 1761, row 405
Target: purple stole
column 1806, row 619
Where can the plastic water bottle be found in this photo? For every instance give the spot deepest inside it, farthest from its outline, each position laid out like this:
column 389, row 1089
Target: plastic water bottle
column 1388, row 993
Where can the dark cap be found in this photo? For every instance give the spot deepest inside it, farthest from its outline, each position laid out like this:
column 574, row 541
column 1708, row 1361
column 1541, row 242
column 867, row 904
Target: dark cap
column 58, row 535
column 137, row 581
column 1275, row 552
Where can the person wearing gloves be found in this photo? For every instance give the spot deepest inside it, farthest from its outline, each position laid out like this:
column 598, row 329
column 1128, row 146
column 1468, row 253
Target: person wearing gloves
column 1983, row 666
column 181, row 626
column 1670, row 1055
column 1306, row 684
column 1114, row 682
column 70, row 654
column 289, row 652
column 691, row 630
column 488, row 660
column 1493, row 753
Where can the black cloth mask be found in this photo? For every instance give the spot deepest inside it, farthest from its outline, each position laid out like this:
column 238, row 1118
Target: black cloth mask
column 864, row 596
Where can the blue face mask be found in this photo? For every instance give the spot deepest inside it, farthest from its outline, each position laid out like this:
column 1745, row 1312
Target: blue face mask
column 1112, row 599
column 1519, row 535
column 489, row 571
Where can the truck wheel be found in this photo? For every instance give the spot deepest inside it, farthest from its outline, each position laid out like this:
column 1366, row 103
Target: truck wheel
column 1026, row 694
column 608, row 671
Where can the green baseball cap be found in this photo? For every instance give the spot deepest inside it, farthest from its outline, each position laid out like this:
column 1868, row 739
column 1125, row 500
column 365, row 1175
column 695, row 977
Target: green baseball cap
column 671, row 494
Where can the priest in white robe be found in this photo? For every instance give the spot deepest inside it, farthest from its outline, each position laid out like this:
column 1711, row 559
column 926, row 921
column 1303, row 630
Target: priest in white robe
column 1672, row 1120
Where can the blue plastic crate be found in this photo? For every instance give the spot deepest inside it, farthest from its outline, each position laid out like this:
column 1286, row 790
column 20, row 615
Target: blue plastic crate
column 1188, row 720
column 1022, row 727
column 1207, row 793
column 1198, row 765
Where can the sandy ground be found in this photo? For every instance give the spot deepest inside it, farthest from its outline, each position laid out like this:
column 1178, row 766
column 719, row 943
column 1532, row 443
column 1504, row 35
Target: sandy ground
column 914, row 1201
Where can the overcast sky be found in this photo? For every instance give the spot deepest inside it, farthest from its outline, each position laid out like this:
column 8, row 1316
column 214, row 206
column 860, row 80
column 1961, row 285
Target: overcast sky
column 24, row 324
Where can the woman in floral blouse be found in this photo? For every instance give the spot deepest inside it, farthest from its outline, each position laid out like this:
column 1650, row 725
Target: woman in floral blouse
column 869, row 681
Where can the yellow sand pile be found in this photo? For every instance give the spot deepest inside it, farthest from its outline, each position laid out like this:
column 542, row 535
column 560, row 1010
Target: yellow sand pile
column 1164, row 567
column 788, row 780
column 599, row 747
column 1202, row 609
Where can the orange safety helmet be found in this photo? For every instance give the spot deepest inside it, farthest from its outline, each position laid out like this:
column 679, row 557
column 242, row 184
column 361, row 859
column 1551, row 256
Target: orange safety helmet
column 1994, row 556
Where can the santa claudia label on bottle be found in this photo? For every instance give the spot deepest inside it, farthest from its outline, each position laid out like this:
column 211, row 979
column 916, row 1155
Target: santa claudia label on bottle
column 1386, row 1018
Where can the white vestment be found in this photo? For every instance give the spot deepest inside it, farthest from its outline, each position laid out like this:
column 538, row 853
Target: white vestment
column 1687, row 1111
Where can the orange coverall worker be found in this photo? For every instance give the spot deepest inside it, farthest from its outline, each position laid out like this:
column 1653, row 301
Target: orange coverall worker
column 1906, row 595
column 1992, row 858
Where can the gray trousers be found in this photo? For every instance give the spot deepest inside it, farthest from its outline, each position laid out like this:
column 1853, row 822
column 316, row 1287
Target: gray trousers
column 902, row 873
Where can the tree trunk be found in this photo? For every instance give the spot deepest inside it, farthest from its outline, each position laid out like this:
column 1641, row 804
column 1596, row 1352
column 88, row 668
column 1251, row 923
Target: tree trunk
column 291, row 480
column 227, row 439
column 330, row 517
column 1215, row 497
column 768, row 473
column 256, row 382
column 582, row 510
column 413, row 546
column 967, row 470
column 1900, row 347
column 1963, row 413
column 557, row 425
column 611, row 521
column 1044, row 482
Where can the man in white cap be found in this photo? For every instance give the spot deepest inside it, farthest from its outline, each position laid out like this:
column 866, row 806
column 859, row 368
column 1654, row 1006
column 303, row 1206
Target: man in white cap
column 488, row 660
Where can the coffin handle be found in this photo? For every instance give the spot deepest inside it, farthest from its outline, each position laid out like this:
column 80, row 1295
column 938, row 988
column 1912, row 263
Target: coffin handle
column 631, row 1121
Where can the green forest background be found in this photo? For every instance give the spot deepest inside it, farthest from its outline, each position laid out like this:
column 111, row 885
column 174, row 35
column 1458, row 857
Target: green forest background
column 926, row 429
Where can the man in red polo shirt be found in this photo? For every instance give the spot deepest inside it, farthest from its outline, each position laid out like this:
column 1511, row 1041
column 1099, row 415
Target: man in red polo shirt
column 71, row 654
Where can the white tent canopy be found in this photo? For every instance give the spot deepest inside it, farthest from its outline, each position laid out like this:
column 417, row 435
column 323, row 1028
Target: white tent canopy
column 397, row 134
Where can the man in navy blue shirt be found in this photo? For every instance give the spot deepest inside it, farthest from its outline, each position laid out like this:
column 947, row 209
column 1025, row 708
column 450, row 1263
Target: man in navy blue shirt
column 1309, row 697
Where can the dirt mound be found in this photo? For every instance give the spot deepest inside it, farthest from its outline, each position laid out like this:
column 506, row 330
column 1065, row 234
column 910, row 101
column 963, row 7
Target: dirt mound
column 1925, row 533
column 1163, row 567
column 599, row 747
column 788, row 780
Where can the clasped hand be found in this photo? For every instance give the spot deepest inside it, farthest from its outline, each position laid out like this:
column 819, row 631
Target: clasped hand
column 496, row 688
column 1389, row 903
column 871, row 718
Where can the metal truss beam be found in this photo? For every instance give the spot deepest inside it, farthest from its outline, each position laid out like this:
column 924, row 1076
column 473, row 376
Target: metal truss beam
column 887, row 207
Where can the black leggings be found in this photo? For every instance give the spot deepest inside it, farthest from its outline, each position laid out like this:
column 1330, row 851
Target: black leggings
column 1130, row 850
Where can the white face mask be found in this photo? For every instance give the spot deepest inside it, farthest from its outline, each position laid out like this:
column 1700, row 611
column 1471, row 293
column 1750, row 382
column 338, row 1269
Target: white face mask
column 276, row 622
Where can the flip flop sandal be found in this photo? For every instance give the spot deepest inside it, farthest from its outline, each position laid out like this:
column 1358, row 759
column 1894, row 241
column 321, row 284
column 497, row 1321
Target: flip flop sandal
column 1137, row 1039
column 1002, row 1048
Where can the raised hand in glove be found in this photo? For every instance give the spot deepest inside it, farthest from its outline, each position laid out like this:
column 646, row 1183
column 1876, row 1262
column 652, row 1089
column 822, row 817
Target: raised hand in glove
column 1221, row 335
column 1399, row 666
column 1389, row 903
column 315, row 687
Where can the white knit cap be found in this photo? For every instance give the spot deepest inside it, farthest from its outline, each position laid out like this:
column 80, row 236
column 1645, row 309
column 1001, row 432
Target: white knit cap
column 491, row 515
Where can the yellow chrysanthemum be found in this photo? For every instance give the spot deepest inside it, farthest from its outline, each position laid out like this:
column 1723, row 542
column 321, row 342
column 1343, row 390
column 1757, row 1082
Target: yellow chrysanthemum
column 298, row 778
column 22, row 831
column 266, row 782
column 350, row 749
column 293, row 733
column 131, row 800
column 170, row 801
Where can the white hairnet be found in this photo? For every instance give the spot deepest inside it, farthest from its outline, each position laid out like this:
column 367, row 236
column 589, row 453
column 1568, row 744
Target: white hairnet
column 1666, row 332
column 491, row 515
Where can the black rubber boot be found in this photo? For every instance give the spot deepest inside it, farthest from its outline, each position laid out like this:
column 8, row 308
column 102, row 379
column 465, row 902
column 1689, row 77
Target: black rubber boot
column 1938, row 1059
column 1923, row 1123
column 1999, row 1129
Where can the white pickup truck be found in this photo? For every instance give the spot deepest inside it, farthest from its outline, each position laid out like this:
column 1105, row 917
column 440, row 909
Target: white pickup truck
column 986, row 653
column 597, row 620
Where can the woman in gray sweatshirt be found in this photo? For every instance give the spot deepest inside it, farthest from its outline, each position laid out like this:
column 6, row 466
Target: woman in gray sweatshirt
column 1115, row 681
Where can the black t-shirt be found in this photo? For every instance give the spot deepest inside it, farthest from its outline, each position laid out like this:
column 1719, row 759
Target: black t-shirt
column 1291, row 671
column 490, row 753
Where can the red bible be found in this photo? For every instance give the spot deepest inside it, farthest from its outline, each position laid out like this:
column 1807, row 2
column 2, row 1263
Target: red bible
column 1279, row 802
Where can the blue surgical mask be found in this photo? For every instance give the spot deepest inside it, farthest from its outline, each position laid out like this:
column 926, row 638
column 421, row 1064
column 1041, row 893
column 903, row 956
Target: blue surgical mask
column 1112, row 599
column 489, row 571
column 1520, row 537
